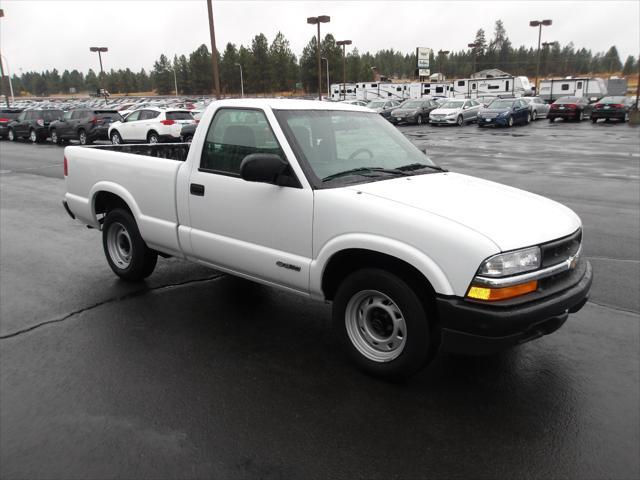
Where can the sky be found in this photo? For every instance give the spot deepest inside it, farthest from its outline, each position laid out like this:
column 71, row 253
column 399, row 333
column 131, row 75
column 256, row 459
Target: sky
column 39, row 35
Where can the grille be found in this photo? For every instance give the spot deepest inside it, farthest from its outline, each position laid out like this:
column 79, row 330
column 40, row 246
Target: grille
column 560, row 250
column 489, row 115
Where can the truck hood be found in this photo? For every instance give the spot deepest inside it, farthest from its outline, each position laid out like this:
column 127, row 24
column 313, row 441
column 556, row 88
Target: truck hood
column 510, row 217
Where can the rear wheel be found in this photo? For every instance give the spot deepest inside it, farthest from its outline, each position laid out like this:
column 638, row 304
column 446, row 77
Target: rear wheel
column 581, row 116
column 82, row 137
column 11, row 135
column 33, row 137
column 510, row 122
column 528, row 120
column 594, row 120
column 54, row 137
column 551, row 119
column 534, row 115
column 419, row 120
column 460, row 121
column 153, row 137
column 126, row 252
column 188, row 139
column 626, row 117
column 382, row 324
column 116, row 139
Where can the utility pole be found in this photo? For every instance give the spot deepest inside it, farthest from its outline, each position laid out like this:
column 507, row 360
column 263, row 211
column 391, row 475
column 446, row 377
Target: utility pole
column 214, row 52
column 317, row 21
column 241, row 81
column 344, row 44
column 328, row 91
column 539, row 24
column 473, row 46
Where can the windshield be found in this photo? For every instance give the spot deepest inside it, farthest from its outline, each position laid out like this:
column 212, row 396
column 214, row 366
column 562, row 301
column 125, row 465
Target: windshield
column 376, row 104
column 411, row 104
column 332, row 142
column 501, row 104
column 452, row 105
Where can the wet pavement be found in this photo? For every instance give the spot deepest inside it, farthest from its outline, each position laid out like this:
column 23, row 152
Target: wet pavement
column 198, row 374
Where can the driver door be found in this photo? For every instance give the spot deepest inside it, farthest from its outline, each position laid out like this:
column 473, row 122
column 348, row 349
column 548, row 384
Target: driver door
column 255, row 229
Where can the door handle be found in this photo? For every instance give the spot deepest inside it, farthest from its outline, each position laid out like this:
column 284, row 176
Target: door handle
column 197, row 189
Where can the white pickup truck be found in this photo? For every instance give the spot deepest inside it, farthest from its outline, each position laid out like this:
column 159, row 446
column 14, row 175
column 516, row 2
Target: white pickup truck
column 332, row 202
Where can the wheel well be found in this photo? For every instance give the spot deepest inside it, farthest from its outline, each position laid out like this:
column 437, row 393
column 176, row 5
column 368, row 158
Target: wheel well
column 150, row 132
column 106, row 201
column 345, row 262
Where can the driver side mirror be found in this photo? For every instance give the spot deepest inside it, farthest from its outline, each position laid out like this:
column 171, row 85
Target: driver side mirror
column 267, row 168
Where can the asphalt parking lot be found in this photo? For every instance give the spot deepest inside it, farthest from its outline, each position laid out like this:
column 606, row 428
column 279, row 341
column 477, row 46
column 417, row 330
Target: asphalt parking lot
column 198, row 374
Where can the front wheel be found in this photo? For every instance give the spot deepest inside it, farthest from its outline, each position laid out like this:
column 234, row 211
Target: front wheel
column 460, row 120
column 382, row 324
column 580, row 116
column 594, row 120
column 528, row 120
column 126, row 252
column 33, row 136
column 116, row 139
column 82, row 137
column 419, row 120
column 534, row 115
column 11, row 135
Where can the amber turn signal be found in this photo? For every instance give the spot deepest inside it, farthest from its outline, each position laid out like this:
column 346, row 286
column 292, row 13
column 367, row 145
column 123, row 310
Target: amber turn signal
column 489, row 294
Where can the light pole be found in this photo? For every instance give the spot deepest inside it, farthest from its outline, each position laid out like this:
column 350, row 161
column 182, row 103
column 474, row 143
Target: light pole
column 344, row 44
column 241, row 81
column 546, row 45
column 328, row 90
column 214, row 52
column 6, row 97
column 100, row 50
column 317, row 21
column 175, row 80
column 473, row 47
column 13, row 99
column 539, row 24
column 441, row 53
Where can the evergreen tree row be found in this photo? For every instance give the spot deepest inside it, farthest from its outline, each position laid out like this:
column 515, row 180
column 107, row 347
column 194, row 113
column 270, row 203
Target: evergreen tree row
column 272, row 67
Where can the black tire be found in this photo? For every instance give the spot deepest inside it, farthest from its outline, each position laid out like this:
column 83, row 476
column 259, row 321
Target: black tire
column 11, row 135
column 460, row 121
column 551, row 119
column 594, row 120
column 153, row 137
column 510, row 122
column 54, row 137
column 419, row 120
column 33, row 136
column 116, row 138
column 126, row 252
column 528, row 120
column 416, row 347
column 188, row 139
column 83, row 138
column 534, row 115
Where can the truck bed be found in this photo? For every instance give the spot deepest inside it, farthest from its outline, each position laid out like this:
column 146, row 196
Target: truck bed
column 169, row 151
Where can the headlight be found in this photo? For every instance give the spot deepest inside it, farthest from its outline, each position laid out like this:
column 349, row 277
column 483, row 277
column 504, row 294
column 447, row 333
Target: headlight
column 503, row 114
column 505, row 264
column 451, row 114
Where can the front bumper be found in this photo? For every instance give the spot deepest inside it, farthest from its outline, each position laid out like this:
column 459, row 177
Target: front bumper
column 403, row 119
column 474, row 328
column 443, row 121
column 492, row 122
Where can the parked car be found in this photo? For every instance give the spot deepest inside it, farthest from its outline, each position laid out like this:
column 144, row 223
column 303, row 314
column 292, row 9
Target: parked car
column 612, row 108
column 503, row 112
column 6, row 116
column 151, row 125
column 302, row 196
column 537, row 107
column 361, row 103
column 383, row 107
column 413, row 111
column 32, row 124
column 570, row 108
column 84, row 125
column 455, row 112
column 188, row 131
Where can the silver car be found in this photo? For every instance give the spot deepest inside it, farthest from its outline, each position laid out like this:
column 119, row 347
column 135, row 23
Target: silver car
column 537, row 107
column 455, row 112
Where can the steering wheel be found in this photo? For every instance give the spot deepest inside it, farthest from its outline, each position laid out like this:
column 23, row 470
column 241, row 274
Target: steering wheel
column 359, row 151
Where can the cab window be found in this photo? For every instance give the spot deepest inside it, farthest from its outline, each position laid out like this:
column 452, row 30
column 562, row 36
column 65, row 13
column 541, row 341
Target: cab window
column 233, row 134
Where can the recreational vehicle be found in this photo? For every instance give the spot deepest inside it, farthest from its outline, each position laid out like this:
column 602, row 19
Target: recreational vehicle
column 593, row 88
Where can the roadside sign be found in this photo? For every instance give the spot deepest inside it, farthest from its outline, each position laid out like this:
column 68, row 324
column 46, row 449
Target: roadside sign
column 424, row 72
column 422, row 56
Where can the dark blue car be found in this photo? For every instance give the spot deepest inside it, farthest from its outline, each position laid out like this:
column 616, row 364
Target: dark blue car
column 504, row 112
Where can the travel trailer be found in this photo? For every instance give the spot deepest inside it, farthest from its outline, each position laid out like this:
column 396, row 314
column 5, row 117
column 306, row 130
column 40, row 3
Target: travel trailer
column 593, row 88
column 491, row 87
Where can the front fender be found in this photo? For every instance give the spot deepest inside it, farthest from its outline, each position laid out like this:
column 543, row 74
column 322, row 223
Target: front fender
column 388, row 246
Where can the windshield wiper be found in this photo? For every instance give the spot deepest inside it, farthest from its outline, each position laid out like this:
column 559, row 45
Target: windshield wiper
column 420, row 166
column 363, row 170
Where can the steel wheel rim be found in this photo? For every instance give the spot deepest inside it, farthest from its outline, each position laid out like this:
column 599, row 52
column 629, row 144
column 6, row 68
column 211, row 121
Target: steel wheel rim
column 119, row 245
column 376, row 326
column 32, row 135
column 153, row 139
column 115, row 139
column 460, row 121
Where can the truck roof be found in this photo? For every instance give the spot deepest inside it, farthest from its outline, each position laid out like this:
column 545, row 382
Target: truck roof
column 289, row 104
